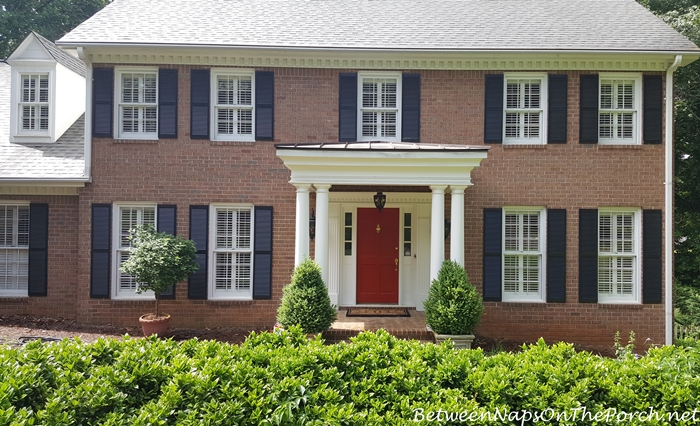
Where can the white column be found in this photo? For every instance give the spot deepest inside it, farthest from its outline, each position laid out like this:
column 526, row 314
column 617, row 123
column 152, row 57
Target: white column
column 457, row 230
column 437, row 231
column 321, row 254
column 301, row 241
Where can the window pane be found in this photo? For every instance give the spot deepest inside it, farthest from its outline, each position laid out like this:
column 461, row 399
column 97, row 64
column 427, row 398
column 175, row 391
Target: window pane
column 348, row 219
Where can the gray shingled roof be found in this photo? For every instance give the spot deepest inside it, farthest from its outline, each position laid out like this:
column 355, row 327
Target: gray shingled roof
column 64, row 159
column 612, row 25
column 67, row 60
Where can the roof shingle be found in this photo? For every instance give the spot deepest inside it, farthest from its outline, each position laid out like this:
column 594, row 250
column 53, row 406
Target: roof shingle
column 470, row 25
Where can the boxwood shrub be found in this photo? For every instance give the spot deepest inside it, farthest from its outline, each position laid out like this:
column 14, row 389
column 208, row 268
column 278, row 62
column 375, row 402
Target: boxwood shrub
column 285, row 378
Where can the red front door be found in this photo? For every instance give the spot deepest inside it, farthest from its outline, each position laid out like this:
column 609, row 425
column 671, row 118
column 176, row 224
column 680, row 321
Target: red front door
column 377, row 256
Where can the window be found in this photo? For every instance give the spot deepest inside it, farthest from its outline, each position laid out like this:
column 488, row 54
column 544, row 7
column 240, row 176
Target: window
column 618, row 255
column 407, row 234
column 525, row 106
column 379, row 100
column 14, row 250
column 232, row 101
column 232, row 247
column 523, row 254
column 618, row 116
column 126, row 218
column 347, row 235
column 137, row 103
column 34, row 103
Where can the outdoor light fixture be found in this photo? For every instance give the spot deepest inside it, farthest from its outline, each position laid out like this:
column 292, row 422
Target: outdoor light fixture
column 448, row 227
column 312, row 225
column 379, row 201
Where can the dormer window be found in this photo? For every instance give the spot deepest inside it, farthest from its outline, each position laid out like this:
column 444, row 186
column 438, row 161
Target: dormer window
column 43, row 77
column 34, row 103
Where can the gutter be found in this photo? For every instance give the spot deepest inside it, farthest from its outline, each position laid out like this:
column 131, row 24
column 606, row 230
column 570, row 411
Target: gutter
column 668, row 207
column 375, row 49
column 88, row 115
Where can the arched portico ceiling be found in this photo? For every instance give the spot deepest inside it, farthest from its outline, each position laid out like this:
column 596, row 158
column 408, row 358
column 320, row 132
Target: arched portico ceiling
column 386, row 163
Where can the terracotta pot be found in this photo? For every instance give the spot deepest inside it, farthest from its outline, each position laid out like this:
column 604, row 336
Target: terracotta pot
column 152, row 325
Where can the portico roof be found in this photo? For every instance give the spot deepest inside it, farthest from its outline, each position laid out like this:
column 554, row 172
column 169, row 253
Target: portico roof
column 387, row 163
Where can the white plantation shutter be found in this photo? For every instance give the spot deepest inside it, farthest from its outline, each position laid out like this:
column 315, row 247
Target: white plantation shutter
column 234, row 105
column 617, row 115
column 14, row 249
column 233, row 252
column 34, row 102
column 523, row 110
column 617, row 247
column 129, row 218
column 138, row 104
column 379, row 109
column 522, row 254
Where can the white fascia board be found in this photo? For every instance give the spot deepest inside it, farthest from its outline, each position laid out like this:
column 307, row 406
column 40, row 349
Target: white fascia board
column 58, row 182
column 367, row 58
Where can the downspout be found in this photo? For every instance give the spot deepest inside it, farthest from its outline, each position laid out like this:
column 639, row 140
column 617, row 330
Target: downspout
column 87, row 174
column 668, row 208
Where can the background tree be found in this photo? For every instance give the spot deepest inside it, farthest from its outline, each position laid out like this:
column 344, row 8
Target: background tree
column 684, row 16
column 50, row 18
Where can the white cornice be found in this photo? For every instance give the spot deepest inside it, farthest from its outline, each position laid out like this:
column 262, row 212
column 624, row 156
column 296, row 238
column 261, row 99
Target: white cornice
column 37, row 190
column 382, row 59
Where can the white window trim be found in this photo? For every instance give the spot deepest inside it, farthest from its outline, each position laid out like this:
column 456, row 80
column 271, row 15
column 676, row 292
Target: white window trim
column 118, row 71
column 16, row 293
column 544, row 97
column 637, row 131
column 635, row 297
column 540, row 296
column 31, row 136
column 399, row 91
column 215, row 73
column 229, row 294
column 118, row 294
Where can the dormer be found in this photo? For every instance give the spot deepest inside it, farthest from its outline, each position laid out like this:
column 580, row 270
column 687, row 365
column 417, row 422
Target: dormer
column 48, row 91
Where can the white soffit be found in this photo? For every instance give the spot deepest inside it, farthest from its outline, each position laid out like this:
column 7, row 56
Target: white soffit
column 372, row 163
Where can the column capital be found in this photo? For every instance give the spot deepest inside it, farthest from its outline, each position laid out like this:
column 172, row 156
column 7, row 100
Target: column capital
column 302, row 187
column 458, row 188
column 438, row 188
column 322, row 187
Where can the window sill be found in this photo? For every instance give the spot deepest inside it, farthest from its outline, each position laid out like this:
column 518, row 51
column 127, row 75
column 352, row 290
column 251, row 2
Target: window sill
column 13, row 298
column 229, row 302
column 229, row 143
column 136, row 141
column 621, row 305
column 622, row 146
column 524, row 146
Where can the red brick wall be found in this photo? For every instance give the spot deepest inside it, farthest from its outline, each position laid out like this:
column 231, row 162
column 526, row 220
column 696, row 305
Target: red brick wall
column 185, row 172
column 62, row 261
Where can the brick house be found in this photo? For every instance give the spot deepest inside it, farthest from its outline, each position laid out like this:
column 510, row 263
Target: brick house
column 529, row 141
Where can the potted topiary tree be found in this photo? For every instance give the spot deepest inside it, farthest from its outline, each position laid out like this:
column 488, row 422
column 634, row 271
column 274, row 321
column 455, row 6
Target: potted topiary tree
column 453, row 307
column 305, row 300
column 158, row 260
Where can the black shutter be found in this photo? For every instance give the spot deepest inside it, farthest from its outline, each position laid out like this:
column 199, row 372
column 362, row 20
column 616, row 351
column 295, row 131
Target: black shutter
column 167, row 222
column 102, row 102
column 410, row 108
column 557, row 113
column 264, row 105
column 100, row 251
column 262, row 274
column 38, row 249
column 588, row 256
column 167, row 103
column 493, row 109
column 556, row 255
column 588, row 130
column 651, row 252
column 653, row 106
column 347, row 108
column 199, row 232
column 199, row 104
column 493, row 223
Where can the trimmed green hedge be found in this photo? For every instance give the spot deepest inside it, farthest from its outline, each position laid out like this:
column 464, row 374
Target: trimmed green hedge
column 287, row 379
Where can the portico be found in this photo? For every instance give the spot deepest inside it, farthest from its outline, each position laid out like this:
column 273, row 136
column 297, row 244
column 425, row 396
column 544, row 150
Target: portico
column 445, row 169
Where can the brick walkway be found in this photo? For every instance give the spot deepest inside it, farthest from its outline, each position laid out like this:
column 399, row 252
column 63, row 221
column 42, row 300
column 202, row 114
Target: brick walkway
column 412, row 327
